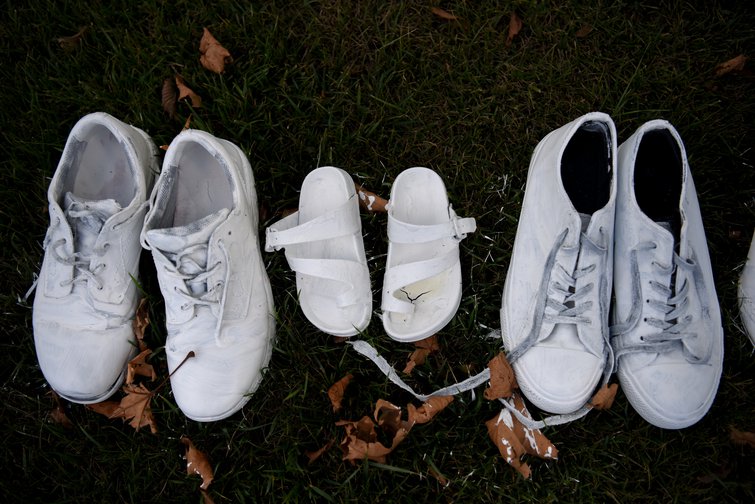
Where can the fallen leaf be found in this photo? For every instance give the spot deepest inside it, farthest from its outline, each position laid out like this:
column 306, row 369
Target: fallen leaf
column 197, row 463
column 388, row 417
column 502, row 378
column 187, row 124
column 314, row 455
column 741, row 437
column 141, row 321
column 336, row 391
column 135, row 407
column 214, row 56
column 515, row 26
column 603, row 398
column 443, row 14
column 169, row 94
column 736, row 64
column 361, row 442
column 371, row 201
column 107, row 408
column 138, row 367
column 185, row 91
column 429, row 409
column 71, row 42
column 584, row 31
column 164, row 147
column 58, row 412
column 423, row 349
column 514, row 440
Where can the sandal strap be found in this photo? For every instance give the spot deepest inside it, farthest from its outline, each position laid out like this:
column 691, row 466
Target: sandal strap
column 398, row 277
column 405, row 232
column 347, row 272
column 340, row 221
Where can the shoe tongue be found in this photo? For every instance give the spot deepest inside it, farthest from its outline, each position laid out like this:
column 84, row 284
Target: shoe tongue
column 86, row 218
column 666, row 225
column 184, row 245
column 176, row 239
column 585, row 218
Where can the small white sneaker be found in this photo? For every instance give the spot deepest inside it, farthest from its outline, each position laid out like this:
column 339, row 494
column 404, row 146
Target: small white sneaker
column 747, row 294
column 554, row 315
column 202, row 230
column 667, row 337
column 86, row 298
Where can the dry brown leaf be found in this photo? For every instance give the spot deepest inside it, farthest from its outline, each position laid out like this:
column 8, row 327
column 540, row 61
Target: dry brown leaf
column 361, row 442
column 138, row 367
column 197, row 463
column 603, row 398
column 164, row 147
column 428, row 410
column 214, row 56
column 736, row 64
column 187, row 124
column 135, row 407
column 515, row 26
column 58, row 412
column 370, row 201
column 443, row 14
column 741, row 437
column 584, row 31
column 185, row 91
column 388, row 417
column 71, row 42
column 424, row 348
column 513, row 439
column 314, row 455
column 336, row 391
column 141, row 321
column 502, row 378
column 168, row 98
column 107, row 408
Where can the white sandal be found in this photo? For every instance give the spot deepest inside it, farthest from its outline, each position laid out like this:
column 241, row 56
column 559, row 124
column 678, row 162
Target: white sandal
column 324, row 246
column 422, row 283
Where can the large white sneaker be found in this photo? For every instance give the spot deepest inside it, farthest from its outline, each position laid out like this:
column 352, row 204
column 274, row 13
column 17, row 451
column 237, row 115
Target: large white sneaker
column 554, row 317
column 86, row 297
column 202, row 230
column 747, row 294
column 668, row 339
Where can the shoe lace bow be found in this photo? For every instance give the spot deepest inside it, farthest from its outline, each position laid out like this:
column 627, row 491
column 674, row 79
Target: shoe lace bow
column 189, row 265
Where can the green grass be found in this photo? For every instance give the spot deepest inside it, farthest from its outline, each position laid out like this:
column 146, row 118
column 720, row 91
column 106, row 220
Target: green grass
column 375, row 87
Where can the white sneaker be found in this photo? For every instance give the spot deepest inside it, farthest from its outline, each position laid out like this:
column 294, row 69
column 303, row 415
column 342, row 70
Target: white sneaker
column 86, row 298
column 554, row 315
column 668, row 339
column 747, row 294
column 202, row 230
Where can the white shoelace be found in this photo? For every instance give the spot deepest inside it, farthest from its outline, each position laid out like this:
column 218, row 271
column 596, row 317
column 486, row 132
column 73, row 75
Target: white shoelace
column 189, row 265
column 673, row 304
column 86, row 220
